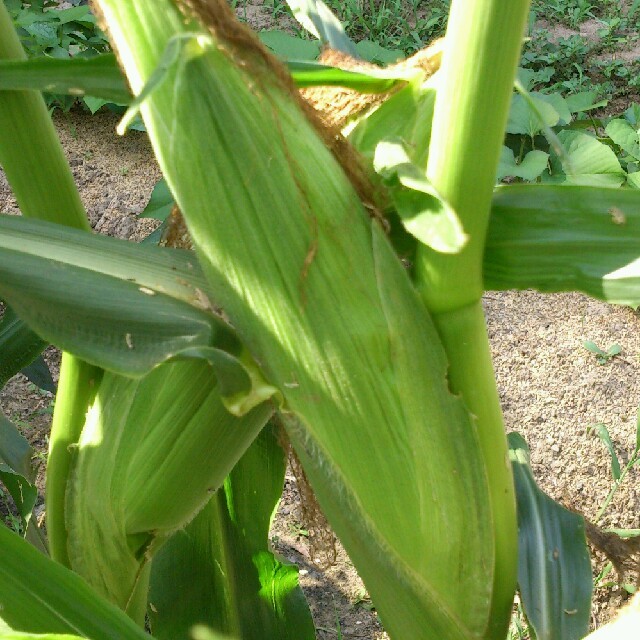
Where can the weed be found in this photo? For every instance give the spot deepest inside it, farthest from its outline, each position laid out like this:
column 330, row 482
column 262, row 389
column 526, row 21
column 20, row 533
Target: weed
column 617, row 471
column 602, row 357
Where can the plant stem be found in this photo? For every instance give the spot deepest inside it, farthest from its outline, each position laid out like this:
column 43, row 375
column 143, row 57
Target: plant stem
column 39, row 174
column 44, row 188
column 481, row 51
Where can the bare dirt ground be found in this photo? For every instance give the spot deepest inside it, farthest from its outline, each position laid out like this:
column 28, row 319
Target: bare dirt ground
column 551, row 387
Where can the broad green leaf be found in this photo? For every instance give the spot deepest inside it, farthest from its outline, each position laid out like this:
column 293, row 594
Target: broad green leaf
column 116, row 304
column 600, row 429
column 317, row 19
column 625, row 136
column 423, row 212
column 591, row 162
column 585, row 101
column 99, row 76
column 19, row 346
column 230, row 537
column 532, row 165
column 523, row 119
column 554, row 569
column 332, row 317
column 39, row 595
column 373, row 52
column 290, row 47
column 558, row 103
column 168, row 433
column 565, row 238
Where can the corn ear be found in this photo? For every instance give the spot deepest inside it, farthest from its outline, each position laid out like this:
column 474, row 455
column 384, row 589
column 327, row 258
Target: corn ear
column 316, row 293
column 150, row 454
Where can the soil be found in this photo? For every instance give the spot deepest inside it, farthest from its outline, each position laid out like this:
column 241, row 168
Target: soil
column 552, row 389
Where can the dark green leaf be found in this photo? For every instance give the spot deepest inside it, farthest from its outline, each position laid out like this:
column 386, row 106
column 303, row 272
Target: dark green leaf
column 41, row 596
column 373, row 52
column 98, row 76
column 565, row 238
column 16, row 471
column 161, row 202
column 288, row 46
column 602, row 432
column 15, row 451
column 554, row 569
column 190, row 581
column 19, row 346
column 38, row 372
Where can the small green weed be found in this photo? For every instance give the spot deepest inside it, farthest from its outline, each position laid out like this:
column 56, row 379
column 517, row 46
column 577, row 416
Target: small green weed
column 617, row 471
column 12, row 520
column 602, row 357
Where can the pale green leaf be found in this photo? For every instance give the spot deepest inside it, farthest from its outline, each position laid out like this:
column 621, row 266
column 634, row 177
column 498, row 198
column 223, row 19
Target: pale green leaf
column 590, row 162
column 317, row 19
column 290, row 47
column 600, row 430
column 424, row 214
column 625, row 136
column 149, row 455
column 585, row 101
column 99, row 76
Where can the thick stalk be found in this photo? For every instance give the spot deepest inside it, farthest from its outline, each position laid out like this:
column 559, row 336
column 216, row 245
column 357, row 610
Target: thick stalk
column 37, row 170
column 482, row 47
column 77, row 387
column 30, row 151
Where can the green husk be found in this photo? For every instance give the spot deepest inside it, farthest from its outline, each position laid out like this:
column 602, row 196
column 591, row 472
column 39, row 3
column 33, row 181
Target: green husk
column 316, row 293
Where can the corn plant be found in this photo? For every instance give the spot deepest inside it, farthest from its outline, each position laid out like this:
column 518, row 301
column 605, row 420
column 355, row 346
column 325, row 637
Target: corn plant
column 291, row 312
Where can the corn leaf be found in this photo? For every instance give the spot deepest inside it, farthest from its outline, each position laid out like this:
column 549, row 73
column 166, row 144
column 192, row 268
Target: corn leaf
column 565, row 238
column 406, row 115
column 118, row 305
column 554, row 568
column 314, row 289
column 19, row 346
column 230, row 537
column 317, row 19
column 41, row 596
column 148, row 457
column 99, row 76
